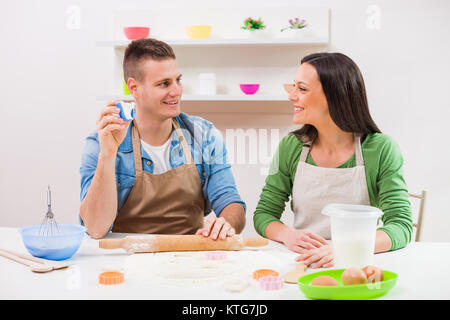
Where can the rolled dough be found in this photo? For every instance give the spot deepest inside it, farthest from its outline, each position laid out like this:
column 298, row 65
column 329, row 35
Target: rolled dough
column 293, row 275
column 192, row 268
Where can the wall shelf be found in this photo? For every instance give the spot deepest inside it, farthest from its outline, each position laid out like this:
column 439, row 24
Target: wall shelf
column 225, row 103
column 121, row 44
column 218, row 97
column 269, row 60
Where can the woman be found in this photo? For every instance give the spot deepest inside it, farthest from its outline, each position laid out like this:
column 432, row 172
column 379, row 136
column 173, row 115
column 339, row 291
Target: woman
column 338, row 156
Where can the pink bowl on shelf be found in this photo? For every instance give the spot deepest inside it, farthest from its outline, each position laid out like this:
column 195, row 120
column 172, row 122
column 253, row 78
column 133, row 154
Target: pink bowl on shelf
column 134, row 33
column 249, row 88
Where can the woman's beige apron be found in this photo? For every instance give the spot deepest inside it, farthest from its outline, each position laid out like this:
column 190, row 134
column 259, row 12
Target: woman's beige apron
column 167, row 203
column 315, row 187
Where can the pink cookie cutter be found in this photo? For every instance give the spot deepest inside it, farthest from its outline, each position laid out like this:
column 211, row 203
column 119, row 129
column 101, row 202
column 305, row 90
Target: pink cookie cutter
column 271, row 283
column 216, row 255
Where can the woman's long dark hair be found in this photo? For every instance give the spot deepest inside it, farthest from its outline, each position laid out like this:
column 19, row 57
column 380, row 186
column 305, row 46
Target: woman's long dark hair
column 345, row 92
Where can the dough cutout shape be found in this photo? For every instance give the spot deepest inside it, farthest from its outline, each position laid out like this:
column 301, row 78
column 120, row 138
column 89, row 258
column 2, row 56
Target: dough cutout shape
column 293, row 275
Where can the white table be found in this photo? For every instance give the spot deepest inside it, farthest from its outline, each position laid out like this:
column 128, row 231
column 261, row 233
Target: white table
column 423, row 269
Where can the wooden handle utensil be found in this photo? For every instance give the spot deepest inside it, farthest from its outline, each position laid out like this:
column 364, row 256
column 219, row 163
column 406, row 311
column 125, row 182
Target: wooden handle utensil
column 35, row 264
column 165, row 243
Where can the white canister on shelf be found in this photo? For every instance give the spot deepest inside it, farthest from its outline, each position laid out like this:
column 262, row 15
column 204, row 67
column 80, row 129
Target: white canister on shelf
column 207, row 83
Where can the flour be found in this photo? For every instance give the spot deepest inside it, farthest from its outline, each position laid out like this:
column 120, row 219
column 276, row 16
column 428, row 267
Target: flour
column 115, row 268
column 139, row 243
column 136, row 247
column 194, row 269
column 236, row 284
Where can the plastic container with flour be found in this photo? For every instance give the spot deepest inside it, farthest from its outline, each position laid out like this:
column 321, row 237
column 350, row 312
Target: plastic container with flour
column 353, row 232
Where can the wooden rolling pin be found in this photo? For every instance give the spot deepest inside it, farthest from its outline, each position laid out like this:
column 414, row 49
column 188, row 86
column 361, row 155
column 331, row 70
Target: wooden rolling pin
column 164, row 243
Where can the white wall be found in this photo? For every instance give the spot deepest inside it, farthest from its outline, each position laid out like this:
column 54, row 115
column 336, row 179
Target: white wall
column 52, row 77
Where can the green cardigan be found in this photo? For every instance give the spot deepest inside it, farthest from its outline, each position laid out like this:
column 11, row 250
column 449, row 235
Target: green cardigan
column 387, row 187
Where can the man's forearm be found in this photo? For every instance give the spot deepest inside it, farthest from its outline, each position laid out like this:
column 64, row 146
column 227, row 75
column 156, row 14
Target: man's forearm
column 234, row 214
column 98, row 209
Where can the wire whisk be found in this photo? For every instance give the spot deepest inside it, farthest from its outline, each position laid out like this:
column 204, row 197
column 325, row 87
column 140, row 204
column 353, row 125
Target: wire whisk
column 49, row 227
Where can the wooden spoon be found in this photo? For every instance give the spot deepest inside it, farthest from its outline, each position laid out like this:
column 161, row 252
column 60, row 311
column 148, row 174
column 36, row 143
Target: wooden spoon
column 35, row 264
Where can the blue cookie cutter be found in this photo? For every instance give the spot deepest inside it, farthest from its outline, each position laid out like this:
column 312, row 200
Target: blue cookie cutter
column 126, row 110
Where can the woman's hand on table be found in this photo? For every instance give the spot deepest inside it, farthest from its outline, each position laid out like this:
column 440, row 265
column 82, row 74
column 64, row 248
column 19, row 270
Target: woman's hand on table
column 317, row 258
column 302, row 241
column 216, row 228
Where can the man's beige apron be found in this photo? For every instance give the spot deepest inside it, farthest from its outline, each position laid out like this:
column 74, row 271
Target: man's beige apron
column 167, row 203
column 315, row 187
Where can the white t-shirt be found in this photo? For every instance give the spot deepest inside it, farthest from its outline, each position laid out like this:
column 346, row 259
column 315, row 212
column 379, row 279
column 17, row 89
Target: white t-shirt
column 160, row 156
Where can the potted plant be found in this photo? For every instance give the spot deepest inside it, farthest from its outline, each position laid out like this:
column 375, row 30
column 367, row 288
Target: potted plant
column 295, row 26
column 253, row 26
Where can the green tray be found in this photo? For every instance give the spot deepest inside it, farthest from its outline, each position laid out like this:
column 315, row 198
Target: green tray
column 341, row 292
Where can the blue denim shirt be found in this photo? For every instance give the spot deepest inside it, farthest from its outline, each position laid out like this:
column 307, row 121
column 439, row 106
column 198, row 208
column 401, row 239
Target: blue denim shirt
column 208, row 150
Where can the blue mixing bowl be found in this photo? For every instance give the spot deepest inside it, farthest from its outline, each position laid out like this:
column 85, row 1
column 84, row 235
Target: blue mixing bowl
column 60, row 246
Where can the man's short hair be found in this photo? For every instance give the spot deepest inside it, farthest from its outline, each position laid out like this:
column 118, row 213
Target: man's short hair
column 141, row 49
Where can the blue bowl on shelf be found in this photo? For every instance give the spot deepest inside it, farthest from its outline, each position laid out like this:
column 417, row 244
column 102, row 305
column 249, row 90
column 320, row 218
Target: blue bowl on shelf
column 60, row 246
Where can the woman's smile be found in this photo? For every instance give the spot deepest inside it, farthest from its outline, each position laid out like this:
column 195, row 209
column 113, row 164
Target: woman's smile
column 298, row 109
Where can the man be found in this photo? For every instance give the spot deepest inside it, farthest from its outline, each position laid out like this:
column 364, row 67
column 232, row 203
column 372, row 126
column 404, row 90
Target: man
column 163, row 171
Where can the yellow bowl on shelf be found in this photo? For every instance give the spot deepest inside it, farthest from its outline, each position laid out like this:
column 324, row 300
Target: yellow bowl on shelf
column 198, row 32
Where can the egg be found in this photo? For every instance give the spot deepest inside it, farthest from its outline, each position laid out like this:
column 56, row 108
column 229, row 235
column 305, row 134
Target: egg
column 353, row 276
column 373, row 274
column 324, row 281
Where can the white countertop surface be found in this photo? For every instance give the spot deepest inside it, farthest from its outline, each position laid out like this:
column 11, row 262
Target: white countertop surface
column 422, row 268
